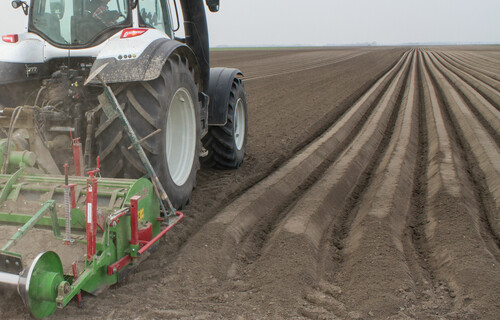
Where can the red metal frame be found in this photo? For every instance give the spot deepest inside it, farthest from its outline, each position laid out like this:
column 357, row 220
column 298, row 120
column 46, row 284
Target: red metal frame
column 159, row 235
column 134, row 220
column 75, row 276
column 123, row 262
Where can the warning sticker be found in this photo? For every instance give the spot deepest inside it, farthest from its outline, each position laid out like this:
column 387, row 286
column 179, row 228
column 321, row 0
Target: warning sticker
column 89, row 212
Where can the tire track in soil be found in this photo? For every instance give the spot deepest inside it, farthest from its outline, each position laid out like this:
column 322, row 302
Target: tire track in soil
column 457, row 248
column 304, row 68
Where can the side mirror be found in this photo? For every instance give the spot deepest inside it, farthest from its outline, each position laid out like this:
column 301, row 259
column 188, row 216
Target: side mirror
column 16, row 4
column 213, row 5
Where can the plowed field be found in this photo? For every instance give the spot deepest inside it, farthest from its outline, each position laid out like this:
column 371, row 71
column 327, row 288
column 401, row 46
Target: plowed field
column 370, row 190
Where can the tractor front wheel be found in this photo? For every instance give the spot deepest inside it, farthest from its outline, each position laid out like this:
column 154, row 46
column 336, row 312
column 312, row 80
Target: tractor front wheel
column 226, row 144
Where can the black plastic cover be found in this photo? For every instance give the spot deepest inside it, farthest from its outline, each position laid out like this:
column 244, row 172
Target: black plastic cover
column 221, row 80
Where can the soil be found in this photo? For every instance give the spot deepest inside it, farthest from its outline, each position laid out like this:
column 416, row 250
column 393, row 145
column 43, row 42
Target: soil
column 370, row 190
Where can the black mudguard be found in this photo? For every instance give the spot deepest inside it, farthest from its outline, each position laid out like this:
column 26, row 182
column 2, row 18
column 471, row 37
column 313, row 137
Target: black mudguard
column 148, row 65
column 221, row 80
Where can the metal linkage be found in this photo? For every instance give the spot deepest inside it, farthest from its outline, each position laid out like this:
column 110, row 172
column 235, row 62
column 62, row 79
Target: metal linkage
column 32, row 222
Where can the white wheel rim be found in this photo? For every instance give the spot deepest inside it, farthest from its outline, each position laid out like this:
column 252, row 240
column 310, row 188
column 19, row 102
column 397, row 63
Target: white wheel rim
column 181, row 136
column 239, row 124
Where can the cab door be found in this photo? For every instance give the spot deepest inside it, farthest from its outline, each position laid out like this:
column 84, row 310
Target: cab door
column 155, row 14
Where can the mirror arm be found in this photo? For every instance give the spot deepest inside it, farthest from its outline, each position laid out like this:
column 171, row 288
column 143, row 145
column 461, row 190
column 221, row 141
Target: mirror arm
column 25, row 8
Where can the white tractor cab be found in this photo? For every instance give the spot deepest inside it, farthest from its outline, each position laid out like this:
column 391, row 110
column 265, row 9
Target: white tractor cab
column 179, row 108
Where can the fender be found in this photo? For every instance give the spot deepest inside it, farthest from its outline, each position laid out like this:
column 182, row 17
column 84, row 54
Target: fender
column 147, row 66
column 221, row 80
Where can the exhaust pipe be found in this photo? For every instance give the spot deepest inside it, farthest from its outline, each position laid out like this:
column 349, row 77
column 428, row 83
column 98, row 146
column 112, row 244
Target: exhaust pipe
column 196, row 29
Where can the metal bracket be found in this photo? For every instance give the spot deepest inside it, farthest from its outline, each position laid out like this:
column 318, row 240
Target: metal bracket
column 10, row 263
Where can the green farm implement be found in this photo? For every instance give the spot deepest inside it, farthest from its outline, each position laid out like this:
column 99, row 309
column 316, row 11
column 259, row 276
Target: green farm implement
column 63, row 235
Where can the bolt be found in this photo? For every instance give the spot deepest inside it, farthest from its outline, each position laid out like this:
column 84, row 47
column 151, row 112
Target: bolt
column 109, row 254
column 7, row 261
column 114, row 269
column 17, row 263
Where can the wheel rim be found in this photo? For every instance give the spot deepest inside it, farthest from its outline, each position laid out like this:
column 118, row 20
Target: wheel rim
column 181, row 136
column 239, row 124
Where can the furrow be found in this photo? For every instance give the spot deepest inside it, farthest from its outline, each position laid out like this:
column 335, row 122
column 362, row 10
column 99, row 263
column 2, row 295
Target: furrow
column 484, row 78
column 484, row 111
column 482, row 145
column 248, row 215
column 488, row 61
column 308, row 223
column 474, row 66
column 457, row 248
column 478, row 61
column 373, row 251
column 488, row 92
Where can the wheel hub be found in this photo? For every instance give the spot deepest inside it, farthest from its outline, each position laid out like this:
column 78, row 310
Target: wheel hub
column 181, row 136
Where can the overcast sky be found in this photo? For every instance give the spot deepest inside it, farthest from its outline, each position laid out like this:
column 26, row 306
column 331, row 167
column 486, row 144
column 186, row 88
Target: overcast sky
column 324, row 22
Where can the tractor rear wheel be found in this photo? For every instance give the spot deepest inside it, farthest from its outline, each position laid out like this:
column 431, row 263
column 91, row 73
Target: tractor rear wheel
column 226, row 144
column 169, row 103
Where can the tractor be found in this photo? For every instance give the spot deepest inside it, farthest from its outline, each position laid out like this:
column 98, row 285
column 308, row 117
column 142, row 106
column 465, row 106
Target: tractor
column 105, row 88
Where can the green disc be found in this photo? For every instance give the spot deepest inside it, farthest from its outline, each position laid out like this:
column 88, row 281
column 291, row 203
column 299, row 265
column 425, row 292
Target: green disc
column 38, row 284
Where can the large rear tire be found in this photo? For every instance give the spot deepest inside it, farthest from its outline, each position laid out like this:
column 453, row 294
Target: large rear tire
column 226, row 144
column 169, row 103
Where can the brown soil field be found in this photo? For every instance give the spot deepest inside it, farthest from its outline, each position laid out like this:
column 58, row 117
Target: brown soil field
column 370, row 190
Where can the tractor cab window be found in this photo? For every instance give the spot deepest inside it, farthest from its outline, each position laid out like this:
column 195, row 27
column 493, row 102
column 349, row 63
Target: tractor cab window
column 155, row 14
column 78, row 22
